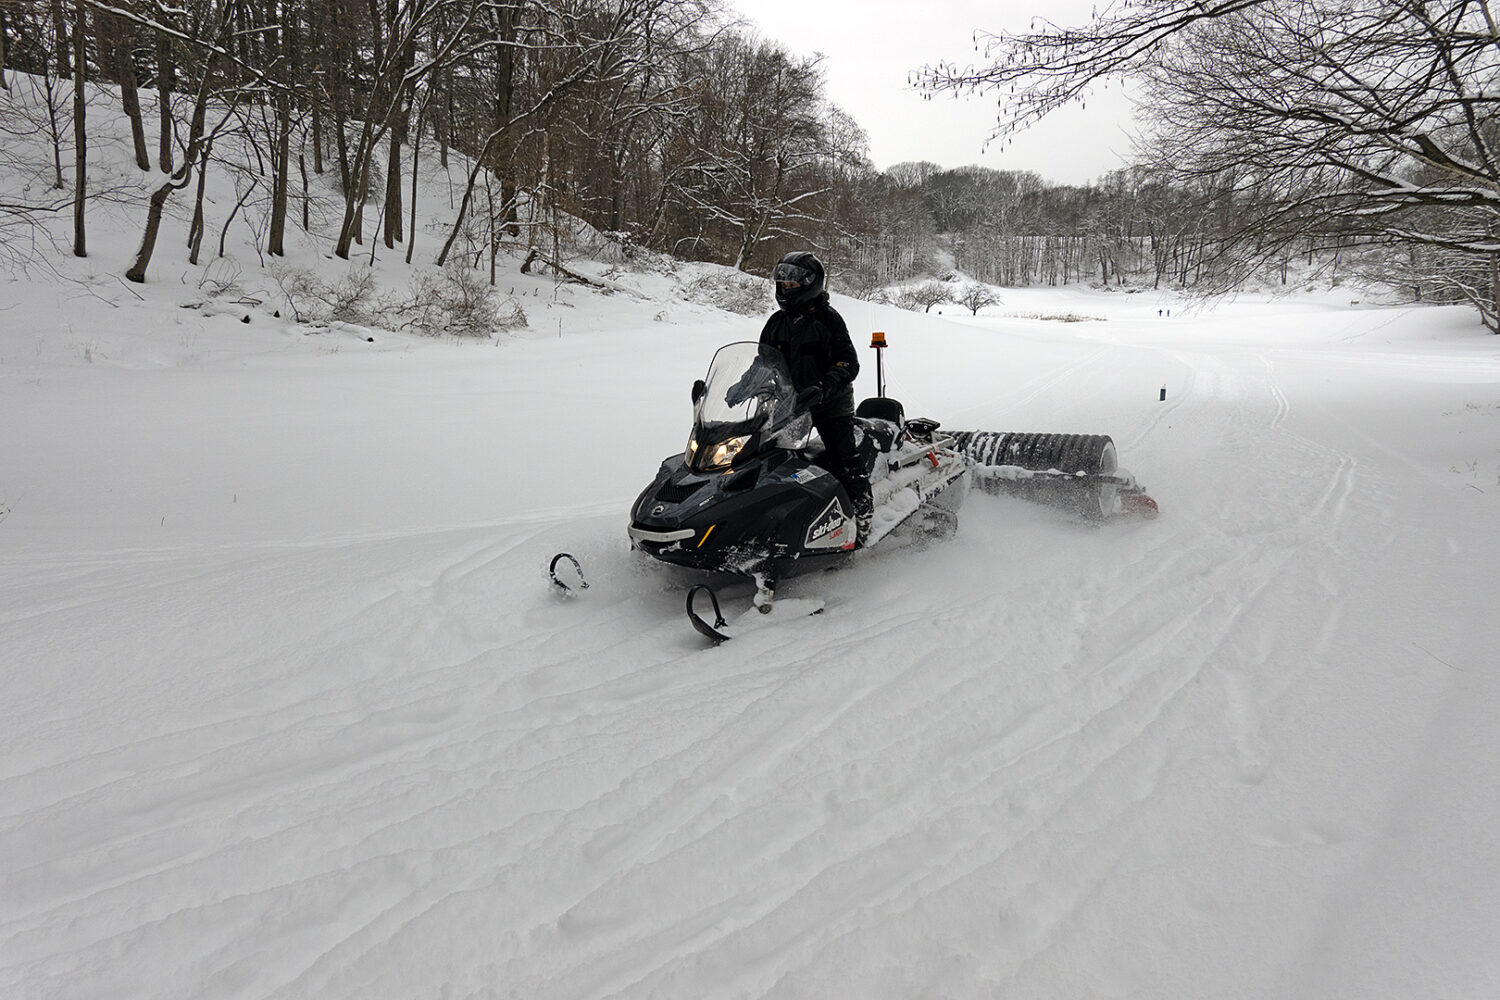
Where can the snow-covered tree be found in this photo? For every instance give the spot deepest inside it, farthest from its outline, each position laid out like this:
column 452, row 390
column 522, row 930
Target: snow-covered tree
column 924, row 296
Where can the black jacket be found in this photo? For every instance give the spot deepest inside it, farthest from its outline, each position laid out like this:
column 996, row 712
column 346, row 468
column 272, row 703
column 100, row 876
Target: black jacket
column 815, row 343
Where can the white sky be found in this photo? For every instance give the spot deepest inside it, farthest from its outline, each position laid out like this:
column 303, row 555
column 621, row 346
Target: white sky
column 872, row 45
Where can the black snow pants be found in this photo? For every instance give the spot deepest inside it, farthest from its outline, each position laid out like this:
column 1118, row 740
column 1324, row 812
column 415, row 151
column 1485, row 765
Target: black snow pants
column 837, row 432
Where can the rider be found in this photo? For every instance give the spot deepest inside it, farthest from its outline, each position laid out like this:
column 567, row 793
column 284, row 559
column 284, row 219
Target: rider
column 812, row 337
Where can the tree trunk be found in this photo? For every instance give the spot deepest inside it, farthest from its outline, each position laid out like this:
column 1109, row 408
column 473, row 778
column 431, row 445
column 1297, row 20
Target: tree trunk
column 317, row 135
column 351, row 231
column 4, row 28
column 505, row 95
column 281, row 155
column 280, row 181
column 416, row 153
column 445, row 124
column 54, row 129
column 617, row 191
column 137, row 272
column 80, row 131
column 164, row 75
column 494, row 235
column 342, row 144
column 393, row 219
column 1494, row 324
column 118, row 31
column 357, row 229
column 64, row 44
column 316, row 93
column 195, row 231
column 235, row 211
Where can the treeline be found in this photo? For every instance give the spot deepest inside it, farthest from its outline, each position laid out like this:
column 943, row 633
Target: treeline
column 660, row 124
column 1013, row 228
column 651, row 120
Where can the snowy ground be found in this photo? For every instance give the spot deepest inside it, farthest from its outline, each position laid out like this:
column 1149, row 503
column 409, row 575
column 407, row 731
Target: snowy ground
column 287, row 708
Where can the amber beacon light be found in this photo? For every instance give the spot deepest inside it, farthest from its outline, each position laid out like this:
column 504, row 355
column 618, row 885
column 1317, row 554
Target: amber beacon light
column 877, row 341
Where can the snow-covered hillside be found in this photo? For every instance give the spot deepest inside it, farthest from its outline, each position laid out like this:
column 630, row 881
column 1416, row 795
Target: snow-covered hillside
column 288, row 708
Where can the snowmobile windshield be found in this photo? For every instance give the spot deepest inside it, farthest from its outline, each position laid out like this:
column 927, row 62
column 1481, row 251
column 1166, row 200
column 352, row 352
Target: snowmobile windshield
column 749, row 400
column 747, row 383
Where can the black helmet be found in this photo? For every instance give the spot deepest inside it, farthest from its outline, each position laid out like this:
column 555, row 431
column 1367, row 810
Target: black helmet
column 799, row 279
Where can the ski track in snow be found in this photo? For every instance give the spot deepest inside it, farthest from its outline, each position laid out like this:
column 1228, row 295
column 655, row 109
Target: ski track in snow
column 1034, row 761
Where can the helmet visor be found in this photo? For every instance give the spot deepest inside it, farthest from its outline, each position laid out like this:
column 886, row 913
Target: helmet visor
column 792, row 274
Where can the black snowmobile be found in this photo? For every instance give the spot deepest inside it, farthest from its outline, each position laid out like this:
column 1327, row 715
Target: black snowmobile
column 748, row 497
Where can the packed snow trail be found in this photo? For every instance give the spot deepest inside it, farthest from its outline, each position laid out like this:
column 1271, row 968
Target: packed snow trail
column 1241, row 751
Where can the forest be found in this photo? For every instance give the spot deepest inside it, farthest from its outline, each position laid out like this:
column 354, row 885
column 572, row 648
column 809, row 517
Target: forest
column 1281, row 141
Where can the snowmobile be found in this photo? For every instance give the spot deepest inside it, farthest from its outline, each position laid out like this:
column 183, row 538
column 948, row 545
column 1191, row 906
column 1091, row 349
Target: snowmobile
column 748, row 496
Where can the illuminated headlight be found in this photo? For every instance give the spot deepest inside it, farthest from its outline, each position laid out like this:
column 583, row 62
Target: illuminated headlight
column 718, row 455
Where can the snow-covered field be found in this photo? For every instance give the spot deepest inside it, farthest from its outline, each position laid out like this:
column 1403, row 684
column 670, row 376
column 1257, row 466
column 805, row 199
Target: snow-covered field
column 288, row 708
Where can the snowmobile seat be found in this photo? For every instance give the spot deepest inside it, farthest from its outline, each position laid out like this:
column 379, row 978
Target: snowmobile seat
column 882, row 408
column 880, row 418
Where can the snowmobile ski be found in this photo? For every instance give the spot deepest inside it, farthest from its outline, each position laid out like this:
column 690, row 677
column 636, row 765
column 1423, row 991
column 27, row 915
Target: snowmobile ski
column 709, row 632
column 557, row 582
column 721, row 630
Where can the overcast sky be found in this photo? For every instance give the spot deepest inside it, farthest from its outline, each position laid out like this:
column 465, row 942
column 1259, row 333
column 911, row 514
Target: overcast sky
column 872, row 45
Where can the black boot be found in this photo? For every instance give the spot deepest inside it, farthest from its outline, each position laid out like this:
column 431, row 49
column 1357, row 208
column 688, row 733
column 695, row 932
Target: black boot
column 864, row 511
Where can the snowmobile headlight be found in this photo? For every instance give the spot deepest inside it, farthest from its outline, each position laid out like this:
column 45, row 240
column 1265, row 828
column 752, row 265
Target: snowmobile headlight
column 717, row 454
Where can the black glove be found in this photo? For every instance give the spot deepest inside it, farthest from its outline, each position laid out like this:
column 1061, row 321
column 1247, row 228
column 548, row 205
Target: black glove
column 811, row 397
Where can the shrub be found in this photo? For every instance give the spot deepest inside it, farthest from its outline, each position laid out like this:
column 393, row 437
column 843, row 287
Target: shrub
column 460, row 302
column 923, row 296
column 457, row 301
column 732, row 291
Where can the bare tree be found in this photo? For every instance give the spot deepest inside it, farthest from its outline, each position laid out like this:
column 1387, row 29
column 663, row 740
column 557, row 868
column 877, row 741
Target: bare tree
column 756, row 138
column 975, row 296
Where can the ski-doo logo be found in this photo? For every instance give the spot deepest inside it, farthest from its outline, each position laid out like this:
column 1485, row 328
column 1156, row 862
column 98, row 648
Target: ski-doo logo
column 829, row 529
